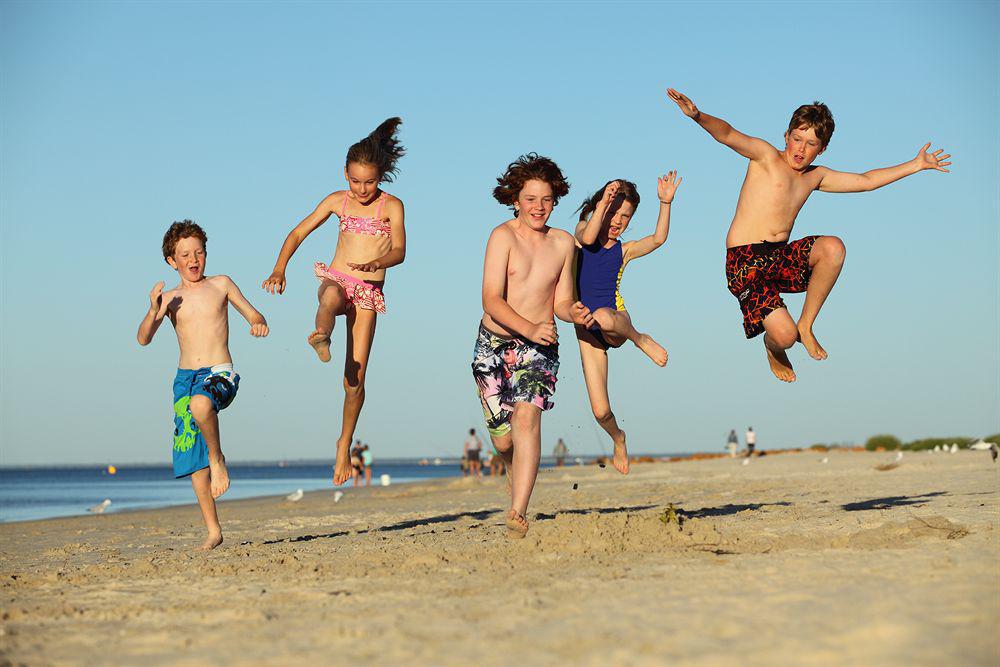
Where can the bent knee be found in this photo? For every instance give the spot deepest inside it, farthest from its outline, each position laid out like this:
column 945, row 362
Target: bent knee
column 201, row 407
column 354, row 387
column 831, row 248
column 783, row 337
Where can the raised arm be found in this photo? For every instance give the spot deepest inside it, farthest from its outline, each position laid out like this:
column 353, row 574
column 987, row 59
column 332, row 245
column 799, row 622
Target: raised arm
column 565, row 305
column 154, row 316
column 397, row 253
column 587, row 230
column 258, row 325
column 494, row 282
column 839, row 181
column 666, row 188
column 276, row 281
column 749, row 147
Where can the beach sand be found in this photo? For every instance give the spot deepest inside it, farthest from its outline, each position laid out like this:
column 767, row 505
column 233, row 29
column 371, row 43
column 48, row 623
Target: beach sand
column 785, row 561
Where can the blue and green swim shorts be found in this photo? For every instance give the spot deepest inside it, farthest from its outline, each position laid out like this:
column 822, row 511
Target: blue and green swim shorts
column 220, row 384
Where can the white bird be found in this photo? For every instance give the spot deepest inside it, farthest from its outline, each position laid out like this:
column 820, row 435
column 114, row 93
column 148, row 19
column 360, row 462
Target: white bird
column 981, row 445
column 954, row 448
column 337, row 495
column 899, row 457
column 937, row 448
column 99, row 509
column 746, row 461
column 295, row 497
column 825, row 459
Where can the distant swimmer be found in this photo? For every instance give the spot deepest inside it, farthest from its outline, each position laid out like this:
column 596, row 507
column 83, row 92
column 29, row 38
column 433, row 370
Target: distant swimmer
column 371, row 240
column 205, row 383
column 761, row 263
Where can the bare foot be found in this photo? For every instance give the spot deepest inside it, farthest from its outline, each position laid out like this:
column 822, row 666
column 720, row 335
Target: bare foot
column 517, row 525
column 320, row 341
column 780, row 365
column 812, row 345
column 213, row 540
column 652, row 349
column 220, row 477
column 620, row 459
column 343, row 471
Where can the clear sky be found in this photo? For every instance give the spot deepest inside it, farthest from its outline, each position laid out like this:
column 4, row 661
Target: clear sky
column 118, row 118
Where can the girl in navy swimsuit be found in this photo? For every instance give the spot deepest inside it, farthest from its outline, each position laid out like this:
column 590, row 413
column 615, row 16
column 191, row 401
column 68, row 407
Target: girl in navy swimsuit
column 600, row 263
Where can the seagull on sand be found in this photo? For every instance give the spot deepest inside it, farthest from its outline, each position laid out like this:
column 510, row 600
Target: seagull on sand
column 337, row 495
column 295, row 497
column 981, row 446
column 100, row 507
column 899, row 457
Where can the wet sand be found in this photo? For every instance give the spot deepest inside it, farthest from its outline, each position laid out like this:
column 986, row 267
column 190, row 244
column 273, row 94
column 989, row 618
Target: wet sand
column 783, row 561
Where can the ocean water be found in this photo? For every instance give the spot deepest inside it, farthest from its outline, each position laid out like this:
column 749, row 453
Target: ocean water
column 41, row 493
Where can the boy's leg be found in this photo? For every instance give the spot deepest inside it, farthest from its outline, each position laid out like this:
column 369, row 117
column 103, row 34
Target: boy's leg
column 332, row 302
column 526, row 435
column 360, row 334
column 826, row 259
column 201, row 482
column 208, row 423
column 780, row 333
column 595, row 373
column 618, row 324
column 504, row 445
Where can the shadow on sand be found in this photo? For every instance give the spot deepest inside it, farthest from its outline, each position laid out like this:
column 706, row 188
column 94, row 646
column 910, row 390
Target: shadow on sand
column 890, row 502
column 727, row 510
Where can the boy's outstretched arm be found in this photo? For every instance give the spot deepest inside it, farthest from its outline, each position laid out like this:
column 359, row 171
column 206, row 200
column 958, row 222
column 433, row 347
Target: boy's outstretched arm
column 494, row 303
column 397, row 253
column 587, row 230
column 565, row 305
column 749, row 147
column 276, row 281
column 666, row 188
column 839, row 181
column 258, row 325
column 154, row 316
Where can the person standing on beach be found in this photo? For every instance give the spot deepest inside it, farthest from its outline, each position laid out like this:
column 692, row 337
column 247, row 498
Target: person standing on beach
column 366, row 462
column 732, row 443
column 751, row 440
column 760, row 261
column 527, row 282
column 472, row 451
column 372, row 239
column 560, row 451
column 205, row 383
column 601, row 258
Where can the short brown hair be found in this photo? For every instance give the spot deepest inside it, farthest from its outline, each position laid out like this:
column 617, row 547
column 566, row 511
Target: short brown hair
column 522, row 170
column 179, row 231
column 817, row 116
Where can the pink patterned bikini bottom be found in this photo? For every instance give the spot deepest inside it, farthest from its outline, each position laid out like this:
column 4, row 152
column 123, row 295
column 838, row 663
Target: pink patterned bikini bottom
column 359, row 293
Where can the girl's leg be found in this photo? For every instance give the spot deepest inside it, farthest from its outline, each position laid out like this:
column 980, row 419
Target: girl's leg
column 360, row 334
column 618, row 325
column 201, row 482
column 595, row 373
column 332, row 302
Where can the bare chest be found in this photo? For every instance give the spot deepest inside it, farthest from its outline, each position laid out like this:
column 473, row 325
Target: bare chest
column 206, row 304
column 533, row 265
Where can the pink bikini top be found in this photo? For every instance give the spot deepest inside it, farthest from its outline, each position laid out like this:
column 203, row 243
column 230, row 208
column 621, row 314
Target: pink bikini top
column 373, row 226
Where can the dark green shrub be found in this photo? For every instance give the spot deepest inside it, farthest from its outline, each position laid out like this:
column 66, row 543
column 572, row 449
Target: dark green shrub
column 930, row 443
column 884, row 441
column 819, row 447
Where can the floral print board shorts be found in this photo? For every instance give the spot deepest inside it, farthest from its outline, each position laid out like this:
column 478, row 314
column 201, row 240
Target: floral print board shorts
column 512, row 370
column 359, row 293
column 757, row 273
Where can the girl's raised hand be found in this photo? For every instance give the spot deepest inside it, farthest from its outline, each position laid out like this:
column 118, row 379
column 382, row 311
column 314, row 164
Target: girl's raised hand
column 666, row 186
column 275, row 282
column 610, row 190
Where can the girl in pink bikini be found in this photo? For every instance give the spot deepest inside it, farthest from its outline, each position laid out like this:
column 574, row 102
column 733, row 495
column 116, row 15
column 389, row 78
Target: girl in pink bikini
column 371, row 240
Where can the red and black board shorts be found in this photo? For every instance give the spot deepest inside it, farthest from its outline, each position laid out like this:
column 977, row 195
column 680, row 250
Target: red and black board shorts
column 757, row 273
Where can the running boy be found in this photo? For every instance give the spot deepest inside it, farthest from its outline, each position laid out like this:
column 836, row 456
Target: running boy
column 205, row 381
column 527, row 278
column 760, row 262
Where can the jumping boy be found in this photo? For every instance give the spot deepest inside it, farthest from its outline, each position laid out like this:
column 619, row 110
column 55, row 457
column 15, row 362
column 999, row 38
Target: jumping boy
column 760, row 262
column 205, row 381
column 527, row 278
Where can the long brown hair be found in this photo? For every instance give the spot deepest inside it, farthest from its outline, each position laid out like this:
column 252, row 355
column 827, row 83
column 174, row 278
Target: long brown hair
column 380, row 149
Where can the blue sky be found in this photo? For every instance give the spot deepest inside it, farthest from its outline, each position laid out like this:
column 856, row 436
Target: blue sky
column 118, row 118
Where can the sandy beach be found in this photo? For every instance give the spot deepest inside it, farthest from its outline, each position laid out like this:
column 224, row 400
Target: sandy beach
column 784, row 561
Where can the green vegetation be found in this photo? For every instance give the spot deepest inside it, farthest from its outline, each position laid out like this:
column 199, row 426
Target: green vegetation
column 931, row 443
column 884, row 441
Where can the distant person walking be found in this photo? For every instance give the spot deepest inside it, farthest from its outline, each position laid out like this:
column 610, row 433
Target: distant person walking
column 473, row 448
column 751, row 441
column 560, row 452
column 366, row 462
column 732, row 443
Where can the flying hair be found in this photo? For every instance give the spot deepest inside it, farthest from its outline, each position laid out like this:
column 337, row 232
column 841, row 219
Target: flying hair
column 626, row 192
column 381, row 149
column 525, row 168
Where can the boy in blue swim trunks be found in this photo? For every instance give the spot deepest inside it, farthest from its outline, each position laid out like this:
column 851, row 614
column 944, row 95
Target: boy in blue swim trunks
column 205, row 381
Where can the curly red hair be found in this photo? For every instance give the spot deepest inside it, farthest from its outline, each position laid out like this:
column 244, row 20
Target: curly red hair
column 522, row 170
column 182, row 230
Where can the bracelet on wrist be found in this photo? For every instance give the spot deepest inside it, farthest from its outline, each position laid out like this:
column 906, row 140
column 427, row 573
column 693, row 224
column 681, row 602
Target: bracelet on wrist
column 665, row 203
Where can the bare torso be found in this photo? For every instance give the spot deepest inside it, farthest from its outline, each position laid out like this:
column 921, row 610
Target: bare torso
column 355, row 248
column 534, row 263
column 770, row 199
column 200, row 315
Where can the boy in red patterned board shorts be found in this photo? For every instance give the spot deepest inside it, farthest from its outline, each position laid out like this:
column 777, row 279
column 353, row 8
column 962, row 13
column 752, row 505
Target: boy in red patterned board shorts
column 760, row 261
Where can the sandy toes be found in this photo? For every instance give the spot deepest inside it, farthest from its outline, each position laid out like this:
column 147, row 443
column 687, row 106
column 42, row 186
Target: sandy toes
column 517, row 525
column 320, row 341
column 620, row 458
column 219, row 475
column 213, row 540
column 780, row 365
column 342, row 470
column 812, row 345
column 652, row 349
